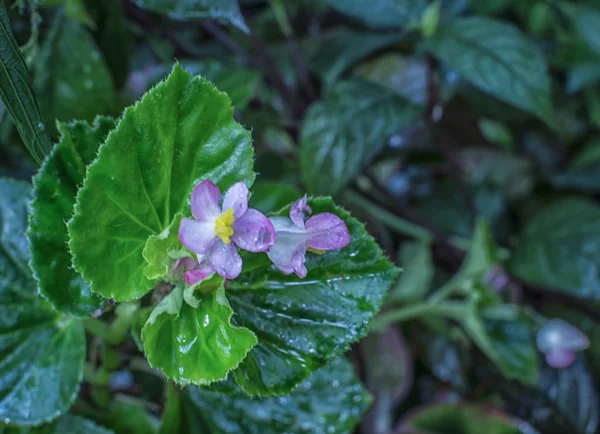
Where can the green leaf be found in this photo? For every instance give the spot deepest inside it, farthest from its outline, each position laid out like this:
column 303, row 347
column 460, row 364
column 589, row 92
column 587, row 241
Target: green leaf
column 126, row 417
column 508, row 343
column 14, row 249
column 587, row 22
column 339, row 136
column 74, row 9
column 300, row 324
column 71, row 77
column 330, row 401
column 513, row 348
column 67, row 424
column 41, row 354
column 334, row 51
column 588, row 155
column 193, row 342
column 17, row 93
column 584, row 179
column 448, row 210
column 560, row 247
column 269, row 197
column 417, row 275
column 113, row 37
column 563, row 401
column 171, row 422
column 240, row 84
column 382, row 13
column 496, row 132
column 181, row 132
column 55, row 188
column 139, row 320
column 447, row 356
column 481, row 255
column 461, row 419
column 582, row 75
column 160, row 250
column 497, row 58
column 226, row 11
column 404, row 75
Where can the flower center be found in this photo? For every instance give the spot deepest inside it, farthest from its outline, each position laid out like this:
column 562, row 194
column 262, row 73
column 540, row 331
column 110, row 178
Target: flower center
column 223, row 226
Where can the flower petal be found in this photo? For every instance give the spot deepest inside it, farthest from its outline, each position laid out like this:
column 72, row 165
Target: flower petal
column 205, row 201
column 254, row 232
column 236, row 199
column 184, row 264
column 298, row 263
column 290, row 246
column 197, row 236
column 225, row 259
column 330, row 232
column 560, row 359
column 557, row 334
column 297, row 212
column 199, row 273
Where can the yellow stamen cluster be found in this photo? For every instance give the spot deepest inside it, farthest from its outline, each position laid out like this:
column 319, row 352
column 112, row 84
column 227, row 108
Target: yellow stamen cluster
column 317, row 251
column 223, row 226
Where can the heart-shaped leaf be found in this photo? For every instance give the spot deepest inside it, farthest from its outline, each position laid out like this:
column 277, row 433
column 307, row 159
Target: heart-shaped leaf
column 55, row 188
column 382, row 13
column 498, row 59
column 301, row 323
column 227, row 11
column 564, row 400
column 192, row 341
column 560, row 247
column 71, row 78
column 332, row 52
column 181, row 132
column 331, row 400
column 41, row 354
column 339, row 136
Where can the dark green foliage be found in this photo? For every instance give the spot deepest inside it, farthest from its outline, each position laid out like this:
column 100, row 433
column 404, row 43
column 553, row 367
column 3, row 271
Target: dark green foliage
column 459, row 141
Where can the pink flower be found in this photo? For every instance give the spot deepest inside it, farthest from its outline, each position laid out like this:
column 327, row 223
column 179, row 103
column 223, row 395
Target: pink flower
column 559, row 341
column 319, row 233
column 216, row 230
column 193, row 270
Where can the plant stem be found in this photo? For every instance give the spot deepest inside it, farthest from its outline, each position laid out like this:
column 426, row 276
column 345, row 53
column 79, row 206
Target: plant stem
column 392, row 220
column 141, row 364
column 450, row 309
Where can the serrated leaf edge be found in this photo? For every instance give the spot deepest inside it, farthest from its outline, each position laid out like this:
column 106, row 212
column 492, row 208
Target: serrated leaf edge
column 344, row 215
column 76, row 211
column 33, row 202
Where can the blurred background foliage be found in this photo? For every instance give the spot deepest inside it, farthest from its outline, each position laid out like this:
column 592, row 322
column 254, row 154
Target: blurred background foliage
column 465, row 133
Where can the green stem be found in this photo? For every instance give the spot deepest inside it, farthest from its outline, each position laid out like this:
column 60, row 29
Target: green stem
column 140, row 364
column 446, row 290
column 448, row 309
column 95, row 327
column 393, row 221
